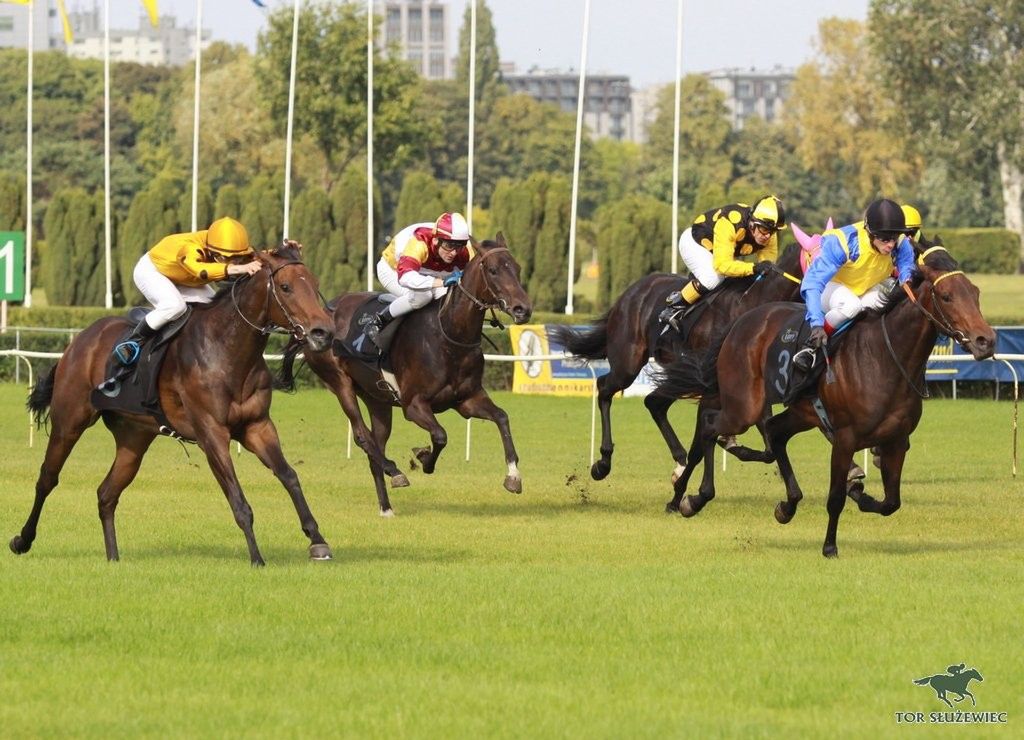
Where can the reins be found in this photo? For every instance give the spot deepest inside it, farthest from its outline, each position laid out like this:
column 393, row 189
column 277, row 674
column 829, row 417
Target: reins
column 479, row 304
column 297, row 330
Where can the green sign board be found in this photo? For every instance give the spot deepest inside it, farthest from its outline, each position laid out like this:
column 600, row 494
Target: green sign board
column 12, row 265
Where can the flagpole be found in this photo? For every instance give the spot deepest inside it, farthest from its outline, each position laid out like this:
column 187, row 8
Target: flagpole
column 472, row 114
column 108, row 299
column 291, row 119
column 576, row 156
column 369, row 144
column 28, row 164
column 675, row 138
column 195, row 118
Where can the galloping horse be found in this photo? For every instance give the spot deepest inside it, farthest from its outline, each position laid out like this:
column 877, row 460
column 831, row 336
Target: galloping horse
column 437, row 362
column 874, row 398
column 955, row 684
column 629, row 333
column 214, row 386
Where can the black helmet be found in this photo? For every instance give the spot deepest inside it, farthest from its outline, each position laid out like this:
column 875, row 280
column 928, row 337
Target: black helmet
column 885, row 218
column 769, row 213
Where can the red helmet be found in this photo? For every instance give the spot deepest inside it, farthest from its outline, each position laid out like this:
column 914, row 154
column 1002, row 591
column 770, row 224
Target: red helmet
column 452, row 227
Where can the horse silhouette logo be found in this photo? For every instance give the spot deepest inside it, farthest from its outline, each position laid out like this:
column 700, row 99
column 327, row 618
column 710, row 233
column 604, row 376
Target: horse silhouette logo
column 954, row 681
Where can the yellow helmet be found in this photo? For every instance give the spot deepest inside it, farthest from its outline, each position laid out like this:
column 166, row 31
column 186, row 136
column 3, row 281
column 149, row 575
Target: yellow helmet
column 912, row 217
column 228, row 237
column 769, row 213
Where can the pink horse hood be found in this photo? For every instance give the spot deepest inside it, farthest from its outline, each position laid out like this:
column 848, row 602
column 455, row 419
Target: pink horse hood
column 810, row 244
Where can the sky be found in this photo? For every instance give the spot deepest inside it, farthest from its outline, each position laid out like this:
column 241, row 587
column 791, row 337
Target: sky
column 632, row 37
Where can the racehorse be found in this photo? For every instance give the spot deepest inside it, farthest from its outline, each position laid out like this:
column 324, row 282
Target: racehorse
column 870, row 397
column 437, row 364
column 956, row 684
column 629, row 333
column 214, row 386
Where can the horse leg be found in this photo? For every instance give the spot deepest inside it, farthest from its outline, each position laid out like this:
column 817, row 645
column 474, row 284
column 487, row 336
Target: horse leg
column 693, row 458
column 607, row 386
column 893, row 454
column 215, row 443
column 480, row 406
column 779, row 430
column 658, row 406
column 970, row 695
column 692, row 505
column 418, row 411
column 132, row 444
column 64, row 434
column 749, row 454
column 842, row 454
column 346, row 395
column 380, row 430
column 261, row 439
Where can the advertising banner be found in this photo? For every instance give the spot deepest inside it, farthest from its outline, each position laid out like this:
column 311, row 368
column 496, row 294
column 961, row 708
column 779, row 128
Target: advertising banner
column 1009, row 341
column 569, row 377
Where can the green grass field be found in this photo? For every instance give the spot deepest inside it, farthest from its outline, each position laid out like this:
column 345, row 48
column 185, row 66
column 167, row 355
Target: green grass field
column 578, row 609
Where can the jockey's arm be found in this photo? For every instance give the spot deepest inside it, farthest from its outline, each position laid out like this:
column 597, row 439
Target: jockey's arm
column 822, row 270
column 904, row 260
column 409, row 275
column 192, row 258
column 724, row 251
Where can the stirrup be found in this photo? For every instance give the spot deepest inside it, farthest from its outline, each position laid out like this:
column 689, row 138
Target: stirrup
column 127, row 352
column 801, row 363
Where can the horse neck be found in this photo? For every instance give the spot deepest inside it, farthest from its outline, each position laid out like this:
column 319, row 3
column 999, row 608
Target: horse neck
column 460, row 318
column 912, row 335
column 233, row 337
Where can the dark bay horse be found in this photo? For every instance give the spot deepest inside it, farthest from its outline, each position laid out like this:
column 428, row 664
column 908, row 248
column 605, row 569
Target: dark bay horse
column 628, row 333
column 874, row 399
column 214, row 386
column 438, row 365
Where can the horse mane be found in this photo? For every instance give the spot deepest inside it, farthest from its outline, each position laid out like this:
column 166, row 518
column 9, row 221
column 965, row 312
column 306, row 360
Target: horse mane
column 283, row 251
column 940, row 259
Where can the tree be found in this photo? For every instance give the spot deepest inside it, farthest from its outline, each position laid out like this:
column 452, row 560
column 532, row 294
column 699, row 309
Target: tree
column 547, row 287
column 517, row 209
column 73, row 271
column 487, row 84
column 229, row 202
column 12, row 202
column 848, row 130
column 630, row 243
column 956, row 69
column 262, row 209
column 330, row 88
column 348, row 210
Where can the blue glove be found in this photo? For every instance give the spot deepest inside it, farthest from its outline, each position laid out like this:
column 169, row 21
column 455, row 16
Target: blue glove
column 452, row 279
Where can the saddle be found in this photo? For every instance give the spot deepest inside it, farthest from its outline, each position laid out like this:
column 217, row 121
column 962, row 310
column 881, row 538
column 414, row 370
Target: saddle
column 133, row 389
column 783, row 383
column 680, row 320
column 357, row 346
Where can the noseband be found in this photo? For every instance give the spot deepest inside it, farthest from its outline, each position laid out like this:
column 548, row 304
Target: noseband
column 296, row 329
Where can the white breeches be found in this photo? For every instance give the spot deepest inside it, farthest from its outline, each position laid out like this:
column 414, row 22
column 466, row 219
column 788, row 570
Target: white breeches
column 168, row 298
column 408, row 299
column 841, row 304
column 699, row 261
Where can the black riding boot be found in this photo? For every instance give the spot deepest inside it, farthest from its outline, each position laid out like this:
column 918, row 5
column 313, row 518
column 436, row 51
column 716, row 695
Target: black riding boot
column 373, row 324
column 127, row 350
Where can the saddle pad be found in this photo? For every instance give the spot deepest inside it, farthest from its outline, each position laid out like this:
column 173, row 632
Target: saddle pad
column 357, row 346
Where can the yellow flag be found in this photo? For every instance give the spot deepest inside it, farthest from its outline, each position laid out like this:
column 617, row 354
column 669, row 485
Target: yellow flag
column 68, row 36
column 17, row 2
column 151, row 9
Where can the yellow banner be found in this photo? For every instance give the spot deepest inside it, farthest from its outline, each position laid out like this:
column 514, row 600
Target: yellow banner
column 151, row 9
column 556, row 377
column 68, row 36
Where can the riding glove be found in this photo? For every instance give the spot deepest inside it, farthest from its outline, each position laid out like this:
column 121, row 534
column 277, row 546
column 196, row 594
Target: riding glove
column 764, row 267
column 452, row 279
column 818, row 337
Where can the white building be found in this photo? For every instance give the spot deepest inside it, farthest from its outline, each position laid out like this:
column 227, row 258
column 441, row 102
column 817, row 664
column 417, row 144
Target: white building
column 46, row 30
column 166, row 44
column 420, row 30
column 751, row 92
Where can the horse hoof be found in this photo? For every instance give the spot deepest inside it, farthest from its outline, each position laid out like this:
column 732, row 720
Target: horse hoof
column 320, row 552
column 600, row 470
column 421, row 453
column 258, row 563
column 856, row 473
column 387, row 513
column 671, row 508
column 19, row 546
column 513, row 485
column 686, row 507
column 399, row 481
column 830, row 551
column 781, row 515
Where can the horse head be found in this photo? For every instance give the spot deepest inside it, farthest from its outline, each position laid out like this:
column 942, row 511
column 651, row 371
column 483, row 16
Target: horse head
column 491, row 279
column 293, row 296
column 950, row 299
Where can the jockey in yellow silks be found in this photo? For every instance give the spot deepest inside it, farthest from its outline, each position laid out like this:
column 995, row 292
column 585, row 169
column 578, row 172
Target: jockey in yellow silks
column 848, row 273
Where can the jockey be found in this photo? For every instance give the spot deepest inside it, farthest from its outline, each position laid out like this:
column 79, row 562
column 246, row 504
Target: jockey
column 850, row 272
column 419, row 264
column 711, row 247
column 179, row 270
column 913, row 218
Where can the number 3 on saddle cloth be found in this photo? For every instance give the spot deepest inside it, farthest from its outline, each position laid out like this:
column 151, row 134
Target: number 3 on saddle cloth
column 133, row 389
column 784, row 382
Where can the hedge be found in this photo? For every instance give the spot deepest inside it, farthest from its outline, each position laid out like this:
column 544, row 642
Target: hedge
column 992, row 251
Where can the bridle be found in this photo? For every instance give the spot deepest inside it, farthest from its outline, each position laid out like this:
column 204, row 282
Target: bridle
column 296, row 330
column 482, row 306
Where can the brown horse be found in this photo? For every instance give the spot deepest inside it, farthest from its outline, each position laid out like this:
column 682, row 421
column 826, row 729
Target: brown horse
column 214, row 386
column 874, row 398
column 437, row 362
column 629, row 333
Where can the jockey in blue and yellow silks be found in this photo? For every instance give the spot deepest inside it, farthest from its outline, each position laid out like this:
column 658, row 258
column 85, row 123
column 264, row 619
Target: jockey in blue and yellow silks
column 847, row 275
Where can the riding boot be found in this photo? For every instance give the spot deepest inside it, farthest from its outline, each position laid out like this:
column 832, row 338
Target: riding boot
column 373, row 324
column 127, row 351
column 680, row 300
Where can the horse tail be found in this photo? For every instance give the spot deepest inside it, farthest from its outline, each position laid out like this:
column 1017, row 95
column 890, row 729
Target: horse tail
column 285, row 378
column 41, row 396
column 590, row 343
column 923, row 681
column 693, row 374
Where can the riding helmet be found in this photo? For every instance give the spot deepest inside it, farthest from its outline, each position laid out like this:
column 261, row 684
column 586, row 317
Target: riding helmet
column 228, row 237
column 884, row 217
column 769, row 213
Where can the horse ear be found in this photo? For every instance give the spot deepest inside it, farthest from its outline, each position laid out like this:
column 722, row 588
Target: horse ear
column 474, row 243
column 500, row 239
column 804, row 239
column 830, row 224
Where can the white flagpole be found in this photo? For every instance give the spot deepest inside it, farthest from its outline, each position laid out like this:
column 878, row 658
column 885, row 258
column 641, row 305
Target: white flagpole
column 576, row 155
column 108, row 298
column 472, row 114
column 675, row 139
column 369, row 144
column 291, row 120
column 28, row 164
column 195, row 118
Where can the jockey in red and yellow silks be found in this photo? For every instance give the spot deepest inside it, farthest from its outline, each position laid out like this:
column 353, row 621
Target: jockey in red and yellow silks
column 419, row 264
